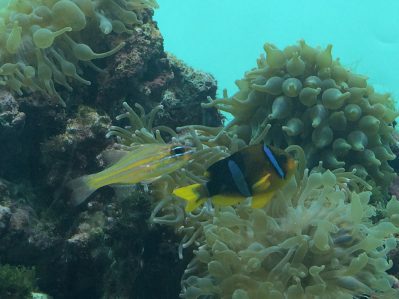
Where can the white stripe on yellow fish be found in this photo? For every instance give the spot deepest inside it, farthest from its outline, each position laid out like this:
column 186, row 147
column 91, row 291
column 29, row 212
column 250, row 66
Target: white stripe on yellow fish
column 144, row 163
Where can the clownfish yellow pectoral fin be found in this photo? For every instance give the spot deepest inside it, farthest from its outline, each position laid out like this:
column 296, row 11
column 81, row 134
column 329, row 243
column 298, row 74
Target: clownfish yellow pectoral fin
column 260, row 200
column 193, row 194
column 262, row 185
column 227, row 200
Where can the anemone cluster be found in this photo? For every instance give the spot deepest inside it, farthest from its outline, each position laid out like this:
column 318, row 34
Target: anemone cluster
column 319, row 237
column 311, row 100
column 45, row 41
column 315, row 240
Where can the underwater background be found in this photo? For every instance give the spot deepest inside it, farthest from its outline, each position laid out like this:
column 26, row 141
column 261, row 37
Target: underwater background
column 223, row 37
column 126, row 170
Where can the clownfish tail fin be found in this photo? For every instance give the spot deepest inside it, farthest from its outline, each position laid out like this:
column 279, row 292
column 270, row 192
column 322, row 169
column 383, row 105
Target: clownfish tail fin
column 194, row 194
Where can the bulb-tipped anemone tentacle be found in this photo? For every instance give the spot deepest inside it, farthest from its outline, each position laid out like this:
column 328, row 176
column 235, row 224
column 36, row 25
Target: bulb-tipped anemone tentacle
column 310, row 99
column 64, row 28
column 316, row 218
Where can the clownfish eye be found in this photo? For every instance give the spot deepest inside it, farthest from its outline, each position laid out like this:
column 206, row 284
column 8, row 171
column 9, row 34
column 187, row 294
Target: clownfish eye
column 178, row 150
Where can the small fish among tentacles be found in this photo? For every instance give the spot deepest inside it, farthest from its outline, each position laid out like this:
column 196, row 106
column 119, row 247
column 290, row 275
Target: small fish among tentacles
column 256, row 172
column 145, row 163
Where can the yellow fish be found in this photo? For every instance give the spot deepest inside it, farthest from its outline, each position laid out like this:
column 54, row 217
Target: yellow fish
column 255, row 172
column 145, row 162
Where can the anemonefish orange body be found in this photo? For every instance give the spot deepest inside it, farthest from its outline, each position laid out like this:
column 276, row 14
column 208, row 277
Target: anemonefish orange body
column 255, row 172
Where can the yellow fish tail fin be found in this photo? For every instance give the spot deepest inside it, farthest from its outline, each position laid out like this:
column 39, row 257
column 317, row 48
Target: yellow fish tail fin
column 81, row 189
column 260, row 200
column 193, row 194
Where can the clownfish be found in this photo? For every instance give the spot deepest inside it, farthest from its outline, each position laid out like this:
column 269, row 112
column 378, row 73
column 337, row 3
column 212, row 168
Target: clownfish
column 144, row 163
column 255, row 172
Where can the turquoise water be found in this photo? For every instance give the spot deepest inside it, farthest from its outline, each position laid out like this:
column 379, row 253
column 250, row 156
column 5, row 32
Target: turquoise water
column 225, row 37
column 110, row 246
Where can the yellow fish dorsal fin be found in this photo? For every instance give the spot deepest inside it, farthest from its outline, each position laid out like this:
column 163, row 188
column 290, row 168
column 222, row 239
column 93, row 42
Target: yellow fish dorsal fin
column 260, row 200
column 262, row 185
column 193, row 194
column 227, row 200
